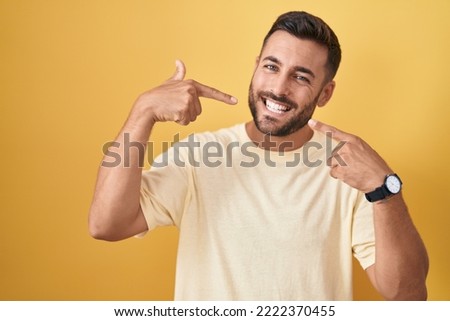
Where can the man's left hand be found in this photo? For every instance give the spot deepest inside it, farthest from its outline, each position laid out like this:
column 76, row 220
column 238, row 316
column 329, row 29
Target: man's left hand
column 354, row 162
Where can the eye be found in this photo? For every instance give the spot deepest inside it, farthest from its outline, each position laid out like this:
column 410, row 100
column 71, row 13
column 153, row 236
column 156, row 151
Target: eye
column 302, row 79
column 271, row 67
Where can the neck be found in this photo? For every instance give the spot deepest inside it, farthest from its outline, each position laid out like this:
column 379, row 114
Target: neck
column 278, row 143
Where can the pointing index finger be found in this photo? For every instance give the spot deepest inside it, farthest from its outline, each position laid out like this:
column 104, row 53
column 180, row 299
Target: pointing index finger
column 213, row 93
column 324, row 128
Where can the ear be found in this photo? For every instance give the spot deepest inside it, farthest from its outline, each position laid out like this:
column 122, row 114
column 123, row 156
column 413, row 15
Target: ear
column 326, row 93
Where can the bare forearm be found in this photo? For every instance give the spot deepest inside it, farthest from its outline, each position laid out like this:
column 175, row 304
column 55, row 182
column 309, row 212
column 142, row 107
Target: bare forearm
column 115, row 212
column 401, row 259
column 115, row 205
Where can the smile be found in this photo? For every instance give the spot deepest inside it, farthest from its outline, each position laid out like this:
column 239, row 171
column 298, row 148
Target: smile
column 276, row 108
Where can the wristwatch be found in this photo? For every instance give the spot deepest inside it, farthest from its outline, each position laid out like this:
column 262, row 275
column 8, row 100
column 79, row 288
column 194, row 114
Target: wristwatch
column 392, row 185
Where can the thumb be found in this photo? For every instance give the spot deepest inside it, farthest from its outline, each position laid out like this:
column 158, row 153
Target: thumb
column 180, row 71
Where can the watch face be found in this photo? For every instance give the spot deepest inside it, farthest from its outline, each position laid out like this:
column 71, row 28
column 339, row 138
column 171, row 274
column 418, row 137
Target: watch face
column 393, row 184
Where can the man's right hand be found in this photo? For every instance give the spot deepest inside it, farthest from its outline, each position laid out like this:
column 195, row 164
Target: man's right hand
column 178, row 99
column 115, row 212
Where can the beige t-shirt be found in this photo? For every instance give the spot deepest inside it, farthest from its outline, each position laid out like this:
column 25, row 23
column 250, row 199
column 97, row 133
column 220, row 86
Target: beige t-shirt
column 255, row 224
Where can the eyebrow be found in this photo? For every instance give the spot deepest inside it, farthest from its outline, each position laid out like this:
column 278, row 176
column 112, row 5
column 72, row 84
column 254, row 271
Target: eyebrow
column 296, row 68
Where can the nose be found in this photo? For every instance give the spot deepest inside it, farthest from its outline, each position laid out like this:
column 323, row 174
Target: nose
column 280, row 85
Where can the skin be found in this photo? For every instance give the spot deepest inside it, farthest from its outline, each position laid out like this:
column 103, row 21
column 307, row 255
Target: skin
column 296, row 73
column 115, row 212
column 401, row 259
column 291, row 72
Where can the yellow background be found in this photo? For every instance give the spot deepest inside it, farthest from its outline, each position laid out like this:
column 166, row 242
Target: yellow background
column 70, row 71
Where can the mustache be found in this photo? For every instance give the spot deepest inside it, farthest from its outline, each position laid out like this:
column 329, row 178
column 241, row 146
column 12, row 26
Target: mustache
column 281, row 99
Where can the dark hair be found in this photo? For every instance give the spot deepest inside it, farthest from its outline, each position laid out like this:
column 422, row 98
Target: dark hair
column 306, row 26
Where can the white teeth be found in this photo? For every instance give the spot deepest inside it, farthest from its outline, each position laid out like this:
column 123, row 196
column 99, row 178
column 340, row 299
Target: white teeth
column 273, row 107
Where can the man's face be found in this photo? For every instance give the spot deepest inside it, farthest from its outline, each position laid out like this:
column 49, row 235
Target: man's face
column 287, row 84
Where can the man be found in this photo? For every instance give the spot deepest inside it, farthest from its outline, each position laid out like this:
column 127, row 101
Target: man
column 257, row 222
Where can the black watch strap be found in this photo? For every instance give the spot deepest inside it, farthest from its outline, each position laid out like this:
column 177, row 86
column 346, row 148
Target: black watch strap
column 378, row 194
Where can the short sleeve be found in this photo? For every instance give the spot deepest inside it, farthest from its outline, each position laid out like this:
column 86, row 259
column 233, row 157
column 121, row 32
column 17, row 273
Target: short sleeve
column 165, row 191
column 363, row 234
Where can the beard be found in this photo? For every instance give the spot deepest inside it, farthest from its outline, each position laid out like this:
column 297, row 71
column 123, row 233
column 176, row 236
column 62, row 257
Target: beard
column 270, row 125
